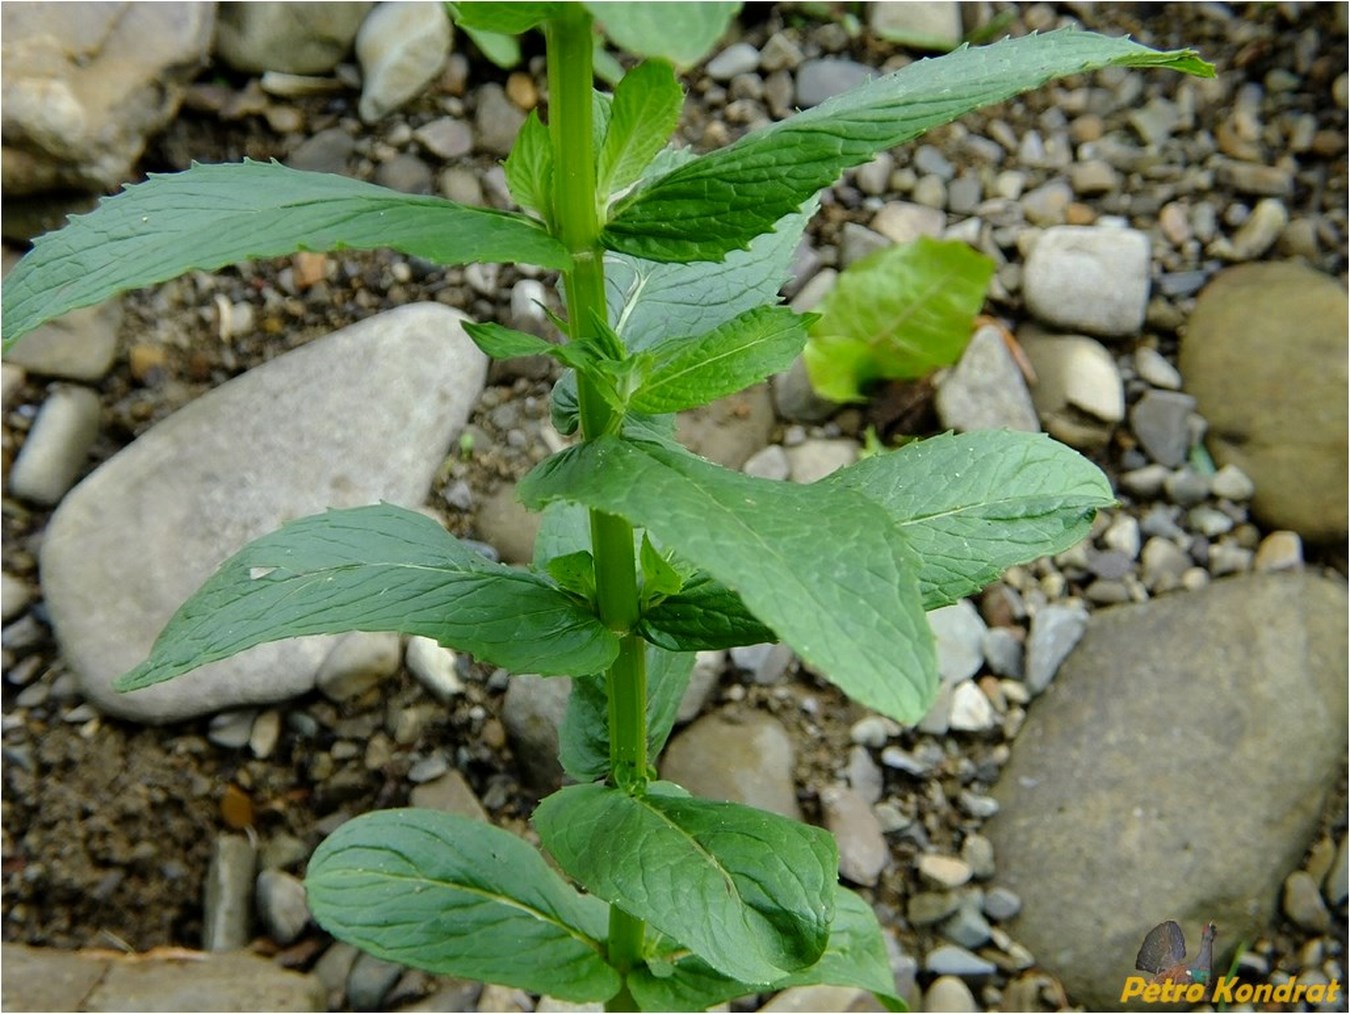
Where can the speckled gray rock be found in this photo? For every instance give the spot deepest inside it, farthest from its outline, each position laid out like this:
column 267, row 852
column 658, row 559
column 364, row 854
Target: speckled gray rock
column 38, row 978
column 959, row 635
column 83, row 91
column 1284, row 427
column 306, row 38
column 1113, row 773
column 863, row 852
column 986, row 390
column 139, row 535
column 401, row 47
column 738, row 758
column 1055, row 629
column 823, row 77
column 1160, row 421
column 497, row 121
column 1089, row 279
column 533, row 711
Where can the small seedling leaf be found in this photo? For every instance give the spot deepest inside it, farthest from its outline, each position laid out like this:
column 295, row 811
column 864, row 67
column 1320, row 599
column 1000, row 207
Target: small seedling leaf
column 897, row 314
column 682, row 33
column 644, row 112
column 529, row 168
column 377, row 568
column 972, row 505
column 214, row 215
column 688, row 372
column 855, row 956
column 454, row 896
column 720, row 201
column 821, row 565
column 750, row 892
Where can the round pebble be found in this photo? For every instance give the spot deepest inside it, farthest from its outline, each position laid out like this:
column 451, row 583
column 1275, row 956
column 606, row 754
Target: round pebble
column 435, row 667
column 943, row 871
column 281, row 905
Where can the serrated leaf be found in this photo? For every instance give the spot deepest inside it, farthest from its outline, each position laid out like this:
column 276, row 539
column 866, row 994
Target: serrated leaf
column 720, row 201
column 682, row 33
column 821, row 565
column 703, row 615
column 645, row 110
column 377, row 568
column 529, row 168
column 897, row 314
column 855, row 956
column 688, row 372
column 454, row 896
column 974, row 504
column 649, row 301
column 659, row 578
column 750, row 892
column 506, row 18
column 584, row 734
column 214, row 215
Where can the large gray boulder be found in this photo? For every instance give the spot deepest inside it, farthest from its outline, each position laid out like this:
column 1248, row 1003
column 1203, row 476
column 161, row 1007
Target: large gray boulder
column 362, row 415
column 1176, row 769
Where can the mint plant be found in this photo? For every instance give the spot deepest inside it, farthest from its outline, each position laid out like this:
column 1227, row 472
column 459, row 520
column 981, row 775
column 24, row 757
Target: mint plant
column 670, row 265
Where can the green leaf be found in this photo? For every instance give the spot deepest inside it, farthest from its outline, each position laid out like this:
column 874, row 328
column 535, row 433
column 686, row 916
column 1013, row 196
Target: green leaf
column 529, row 168
column 750, row 892
column 822, row 565
column 705, row 614
column 502, row 50
column 455, row 896
column 687, row 372
column 645, row 111
column 649, row 301
column 377, row 568
column 659, row 577
column 720, row 201
column 682, row 33
column 574, row 572
column 505, row 18
column 214, row 215
column 507, row 343
column 972, row 505
column 584, row 734
column 855, row 956
column 899, row 313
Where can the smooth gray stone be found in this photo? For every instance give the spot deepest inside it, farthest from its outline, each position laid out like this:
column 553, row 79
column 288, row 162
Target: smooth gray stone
column 401, row 47
column 306, row 38
column 57, row 446
column 363, row 415
column 228, row 910
column 1152, row 751
column 1090, row 279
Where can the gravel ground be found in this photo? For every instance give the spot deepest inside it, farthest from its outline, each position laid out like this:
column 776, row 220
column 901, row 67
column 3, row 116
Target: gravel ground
column 108, row 827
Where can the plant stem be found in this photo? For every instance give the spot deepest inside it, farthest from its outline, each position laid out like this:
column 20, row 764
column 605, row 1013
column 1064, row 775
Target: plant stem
column 570, row 79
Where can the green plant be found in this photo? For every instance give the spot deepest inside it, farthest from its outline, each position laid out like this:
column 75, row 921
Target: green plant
column 899, row 313
column 647, row 552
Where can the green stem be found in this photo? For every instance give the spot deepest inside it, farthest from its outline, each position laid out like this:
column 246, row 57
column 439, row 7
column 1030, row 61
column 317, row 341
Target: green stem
column 570, row 79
